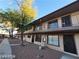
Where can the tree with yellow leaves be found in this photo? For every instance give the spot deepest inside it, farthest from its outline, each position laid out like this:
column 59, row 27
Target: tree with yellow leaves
column 28, row 13
column 27, row 9
column 20, row 18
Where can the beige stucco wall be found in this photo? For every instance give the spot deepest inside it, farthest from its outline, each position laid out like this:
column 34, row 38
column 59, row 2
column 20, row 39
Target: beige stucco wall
column 44, row 37
column 44, row 40
column 28, row 39
column 77, row 42
column 44, row 27
column 26, row 36
column 59, row 22
column 75, row 19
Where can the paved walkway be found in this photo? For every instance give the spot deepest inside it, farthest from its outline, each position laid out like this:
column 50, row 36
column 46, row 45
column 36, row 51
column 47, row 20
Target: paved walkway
column 30, row 51
column 5, row 50
column 1, row 40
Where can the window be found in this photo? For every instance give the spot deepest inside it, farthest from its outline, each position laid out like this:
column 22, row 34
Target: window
column 66, row 21
column 53, row 24
column 38, row 38
column 53, row 40
column 38, row 28
column 29, row 36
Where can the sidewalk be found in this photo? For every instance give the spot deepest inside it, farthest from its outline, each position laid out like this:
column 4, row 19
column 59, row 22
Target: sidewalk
column 1, row 40
column 5, row 50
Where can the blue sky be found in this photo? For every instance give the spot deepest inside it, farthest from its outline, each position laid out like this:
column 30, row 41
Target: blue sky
column 43, row 7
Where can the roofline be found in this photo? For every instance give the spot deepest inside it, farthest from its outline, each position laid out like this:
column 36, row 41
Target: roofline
column 32, row 23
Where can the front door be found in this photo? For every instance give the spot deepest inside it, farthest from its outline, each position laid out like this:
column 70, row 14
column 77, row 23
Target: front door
column 32, row 38
column 38, row 38
column 69, row 44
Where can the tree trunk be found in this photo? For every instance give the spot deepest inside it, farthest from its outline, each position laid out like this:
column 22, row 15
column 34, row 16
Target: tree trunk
column 22, row 38
column 12, row 33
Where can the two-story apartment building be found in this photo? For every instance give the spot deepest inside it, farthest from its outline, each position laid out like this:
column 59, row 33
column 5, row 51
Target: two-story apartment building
column 58, row 30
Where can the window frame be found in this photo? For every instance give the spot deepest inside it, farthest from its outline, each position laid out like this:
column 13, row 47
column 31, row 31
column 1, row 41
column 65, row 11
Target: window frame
column 39, row 26
column 63, row 25
column 53, row 21
column 53, row 44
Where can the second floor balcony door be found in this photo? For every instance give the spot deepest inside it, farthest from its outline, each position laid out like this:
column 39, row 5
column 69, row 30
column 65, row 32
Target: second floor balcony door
column 38, row 28
column 66, row 21
column 53, row 24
